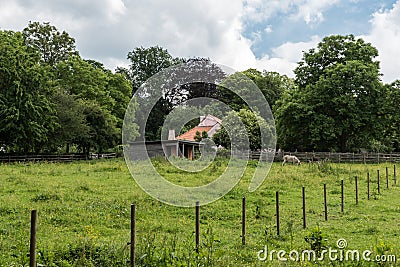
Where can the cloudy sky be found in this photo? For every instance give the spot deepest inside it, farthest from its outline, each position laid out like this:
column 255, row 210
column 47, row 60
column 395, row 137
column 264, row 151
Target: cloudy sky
column 264, row 34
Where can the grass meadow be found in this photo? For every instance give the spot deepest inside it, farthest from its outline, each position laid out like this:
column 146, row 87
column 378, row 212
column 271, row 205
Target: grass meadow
column 84, row 216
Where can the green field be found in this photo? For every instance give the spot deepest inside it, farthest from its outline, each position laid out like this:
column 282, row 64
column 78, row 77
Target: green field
column 84, row 216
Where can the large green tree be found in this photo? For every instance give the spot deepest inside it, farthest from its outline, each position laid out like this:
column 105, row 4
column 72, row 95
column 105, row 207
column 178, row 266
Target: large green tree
column 392, row 117
column 50, row 97
column 26, row 113
column 53, row 46
column 146, row 62
column 71, row 120
column 338, row 103
column 104, row 95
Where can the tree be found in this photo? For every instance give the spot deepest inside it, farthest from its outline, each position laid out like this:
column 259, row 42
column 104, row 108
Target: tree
column 118, row 87
column 271, row 84
column 253, row 125
column 338, row 103
column 26, row 114
column 333, row 50
column 78, row 77
column 146, row 62
column 52, row 45
column 392, row 129
column 71, row 120
column 234, row 88
column 103, row 132
column 204, row 70
column 105, row 97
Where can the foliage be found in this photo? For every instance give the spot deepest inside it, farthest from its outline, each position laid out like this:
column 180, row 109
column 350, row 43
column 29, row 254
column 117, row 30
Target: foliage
column 206, row 71
column 271, row 84
column 27, row 115
column 52, row 45
column 252, row 123
column 317, row 240
column 103, row 132
column 391, row 131
column 339, row 101
column 104, row 97
column 48, row 92
column 200, row 136
column 71, row 119
column 146, row 62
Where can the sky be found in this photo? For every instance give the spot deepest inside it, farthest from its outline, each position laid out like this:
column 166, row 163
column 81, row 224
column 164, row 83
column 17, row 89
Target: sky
column 263, row 34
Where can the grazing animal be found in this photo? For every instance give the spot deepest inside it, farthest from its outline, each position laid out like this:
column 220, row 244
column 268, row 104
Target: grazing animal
column 292, row 159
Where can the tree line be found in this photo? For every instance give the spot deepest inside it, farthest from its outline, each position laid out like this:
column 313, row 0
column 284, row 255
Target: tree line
column 53, row 100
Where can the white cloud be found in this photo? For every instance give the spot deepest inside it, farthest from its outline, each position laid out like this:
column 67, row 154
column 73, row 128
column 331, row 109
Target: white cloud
column 310, row 11
column 285, row 57
column 106, row 30
column 268, row 29
column 385, row 36
column 294, row 51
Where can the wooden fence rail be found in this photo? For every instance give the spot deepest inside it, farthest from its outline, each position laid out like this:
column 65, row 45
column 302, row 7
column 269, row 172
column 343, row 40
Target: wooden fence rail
column 323, row 156
column 9, row 158
column 303, row 156
column 344, row 157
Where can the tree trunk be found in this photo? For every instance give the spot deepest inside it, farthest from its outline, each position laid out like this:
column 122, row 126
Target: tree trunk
column 67, row 148
column 343, row 141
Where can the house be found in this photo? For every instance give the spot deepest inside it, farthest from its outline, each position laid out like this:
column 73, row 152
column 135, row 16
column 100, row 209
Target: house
column 210, row 124
column 140, row 150
column 184, row 145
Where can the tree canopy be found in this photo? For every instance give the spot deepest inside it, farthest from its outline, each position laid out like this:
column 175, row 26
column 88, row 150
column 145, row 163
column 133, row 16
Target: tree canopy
column 338, row 102
column 242, row 134
column 52, row 98
column 27, row 115
column 52, row 45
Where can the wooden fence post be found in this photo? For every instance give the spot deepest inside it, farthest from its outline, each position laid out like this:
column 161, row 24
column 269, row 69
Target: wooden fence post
column 387, row 178
column 342, row 195
column 379, row 182
column 368, row 181
column 133, row 234
column 32, row 246
column 356, row 182
column 304, row 207
column 394, row 174
column 244, row 221
column 277, row 214
column 325, row 204
column 197, row 226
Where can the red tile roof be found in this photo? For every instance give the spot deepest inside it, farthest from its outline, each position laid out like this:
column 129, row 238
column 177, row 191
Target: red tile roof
column 189, row 135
